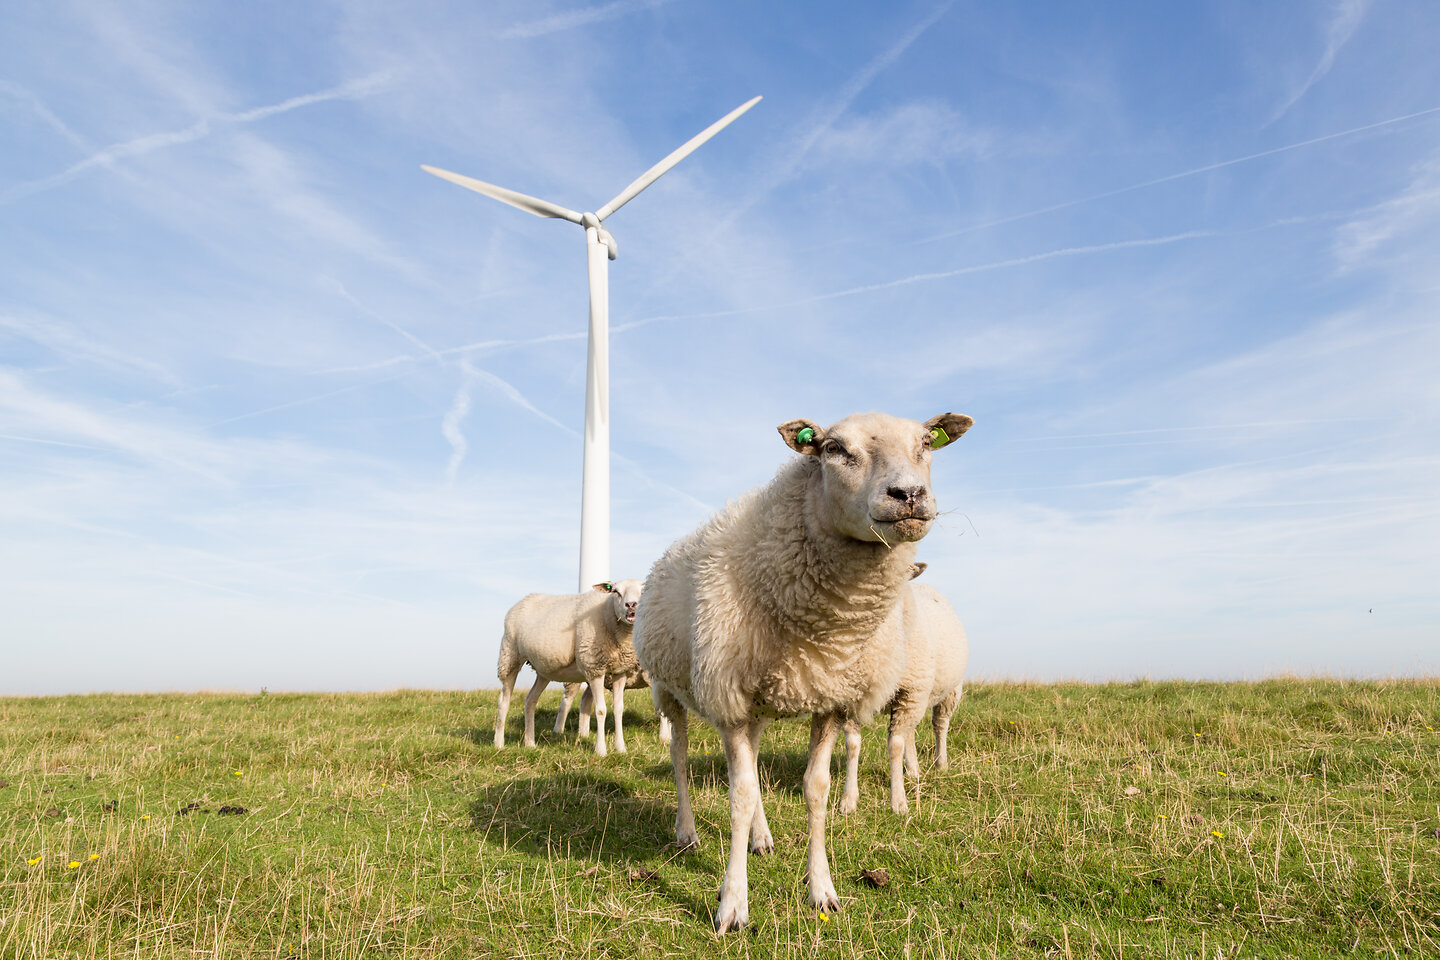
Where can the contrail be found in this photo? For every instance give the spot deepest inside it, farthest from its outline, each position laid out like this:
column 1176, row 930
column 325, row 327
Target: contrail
column 140, row 146
column 924, row 278
column 1343, row 24
column 1179, row 176
column 577, row 18
column 833, row 110
column 304, row 400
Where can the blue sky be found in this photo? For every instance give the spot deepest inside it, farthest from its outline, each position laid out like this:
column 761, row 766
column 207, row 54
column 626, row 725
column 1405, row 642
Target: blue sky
column 278, row 409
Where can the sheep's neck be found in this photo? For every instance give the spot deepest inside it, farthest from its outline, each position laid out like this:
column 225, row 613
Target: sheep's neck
column 820, row 587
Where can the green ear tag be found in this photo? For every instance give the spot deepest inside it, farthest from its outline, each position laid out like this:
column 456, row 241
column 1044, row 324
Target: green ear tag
column 805, row 435
column 938, row 438
column 609, row 588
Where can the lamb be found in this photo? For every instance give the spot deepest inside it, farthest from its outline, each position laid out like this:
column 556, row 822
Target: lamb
column 570, row 638
column 936, row 653
column 788, row 602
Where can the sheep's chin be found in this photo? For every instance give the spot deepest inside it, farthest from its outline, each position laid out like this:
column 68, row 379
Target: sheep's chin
column 908, row 530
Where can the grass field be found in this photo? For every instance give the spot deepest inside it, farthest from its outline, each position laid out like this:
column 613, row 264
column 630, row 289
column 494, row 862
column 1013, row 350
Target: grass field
column 1288, row 818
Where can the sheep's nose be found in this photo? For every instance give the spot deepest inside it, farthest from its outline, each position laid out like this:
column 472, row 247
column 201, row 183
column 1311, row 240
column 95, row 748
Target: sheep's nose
column 908, row 495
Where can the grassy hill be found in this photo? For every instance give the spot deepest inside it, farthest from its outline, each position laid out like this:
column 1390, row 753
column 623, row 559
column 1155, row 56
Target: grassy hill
column 1287, row 818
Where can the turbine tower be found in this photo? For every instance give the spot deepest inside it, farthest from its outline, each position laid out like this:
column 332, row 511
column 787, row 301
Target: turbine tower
column 600, row 247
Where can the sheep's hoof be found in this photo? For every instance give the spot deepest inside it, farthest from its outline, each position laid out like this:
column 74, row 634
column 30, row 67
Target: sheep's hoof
column 732, row 916
column 849, row 804
column 901, row 808
column 687, row 841
column 825, row 900
column 620, row 748
column 762, row 844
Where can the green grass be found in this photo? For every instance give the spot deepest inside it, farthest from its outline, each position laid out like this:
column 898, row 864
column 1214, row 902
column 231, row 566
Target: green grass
column 1288, row 818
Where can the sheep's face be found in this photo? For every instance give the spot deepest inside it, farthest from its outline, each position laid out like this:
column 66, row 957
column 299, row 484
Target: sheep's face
column 624, row 598
column 875, row 471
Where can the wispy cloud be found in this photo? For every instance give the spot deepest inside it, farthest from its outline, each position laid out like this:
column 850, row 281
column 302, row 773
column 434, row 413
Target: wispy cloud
column 579, row 17
column 1344, row 20
column 139, row 146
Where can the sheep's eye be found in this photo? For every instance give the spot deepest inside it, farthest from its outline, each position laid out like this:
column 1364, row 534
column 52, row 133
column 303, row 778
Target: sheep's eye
column 832, row 448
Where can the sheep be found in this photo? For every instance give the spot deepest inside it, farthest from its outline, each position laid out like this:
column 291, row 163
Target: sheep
column 789, row 602
column 571, row 638
column 936, row 653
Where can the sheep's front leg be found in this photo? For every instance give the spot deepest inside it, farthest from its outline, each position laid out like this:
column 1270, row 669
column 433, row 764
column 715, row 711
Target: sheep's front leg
column 617, row 690
column 532, row 698
column 905, row 713
column 761, row 842
column 850, row 799
column 734, row 910
column 587, row 707
column 566, row 699
column 823, row 731
column 597, row 688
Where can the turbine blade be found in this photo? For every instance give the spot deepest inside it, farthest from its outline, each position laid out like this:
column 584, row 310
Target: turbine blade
column 541, row 208
column 659, row 170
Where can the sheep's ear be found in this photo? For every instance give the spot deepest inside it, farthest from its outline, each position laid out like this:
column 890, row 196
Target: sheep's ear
column 918, row 569
column 606, row 587
column 947, row 427
column 802, row 436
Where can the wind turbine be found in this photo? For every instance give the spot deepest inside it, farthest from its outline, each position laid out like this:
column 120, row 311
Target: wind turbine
column 600, row 247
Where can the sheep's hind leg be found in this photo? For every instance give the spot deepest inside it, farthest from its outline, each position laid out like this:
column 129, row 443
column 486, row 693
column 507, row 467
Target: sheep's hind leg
column 685, row 836
column 566, row 698
column 733, row 913
column 502, row 707
column 940, row 723
column 850, row 799
column 531, row 699
column 823, row 731
column 761, row 842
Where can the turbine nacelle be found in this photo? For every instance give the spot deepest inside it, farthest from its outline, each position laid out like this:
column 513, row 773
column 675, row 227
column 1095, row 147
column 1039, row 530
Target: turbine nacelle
column 590, row 220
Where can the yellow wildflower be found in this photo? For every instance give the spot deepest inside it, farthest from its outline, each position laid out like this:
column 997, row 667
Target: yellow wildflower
column 1217, row 833
column 1163, row 817
column 239, row 773
column 825, row 917
column 144, row 816
column 72, row 864
column 34, row 860
column 94, row 856
column 1224, row 774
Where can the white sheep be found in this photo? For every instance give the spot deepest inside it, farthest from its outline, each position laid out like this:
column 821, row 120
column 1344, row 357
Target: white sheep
column 788, row 602
column 936, row 653
column 571, row 638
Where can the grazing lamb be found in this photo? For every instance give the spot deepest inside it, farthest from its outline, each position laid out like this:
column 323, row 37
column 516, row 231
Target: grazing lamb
column 936, row 652
column 789, row 602
column 570, row 638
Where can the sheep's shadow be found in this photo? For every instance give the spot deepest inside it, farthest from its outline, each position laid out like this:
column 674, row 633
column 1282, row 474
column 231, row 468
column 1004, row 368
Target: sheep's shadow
column 781, row 771
column 576, row 813
column 588, row 815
